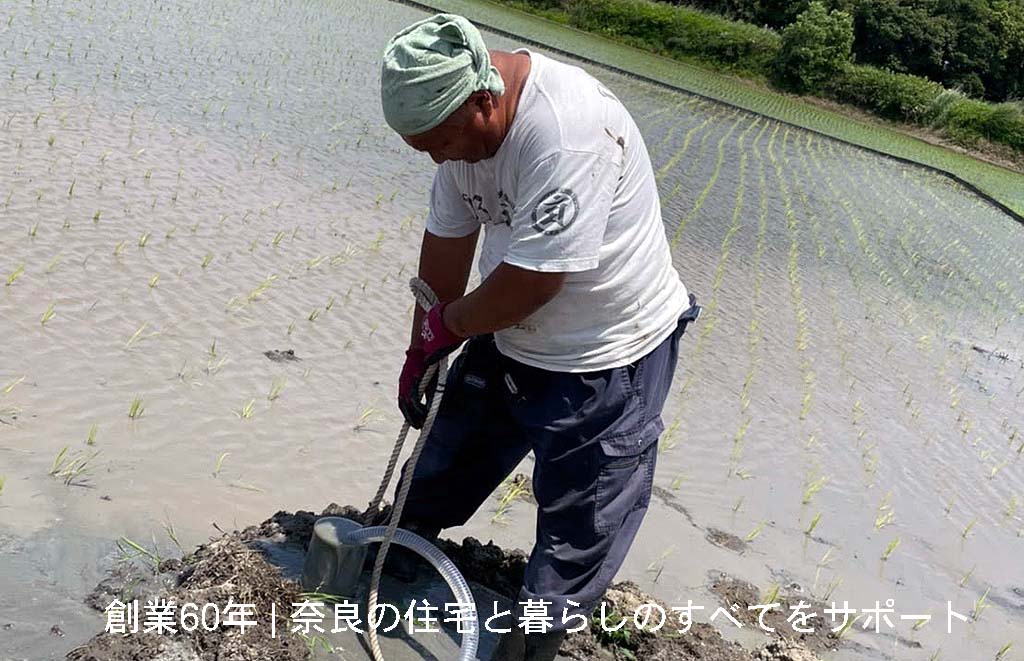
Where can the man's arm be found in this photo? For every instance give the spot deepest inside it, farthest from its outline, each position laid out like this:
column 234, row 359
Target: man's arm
column 445, row 264
column 506, row 297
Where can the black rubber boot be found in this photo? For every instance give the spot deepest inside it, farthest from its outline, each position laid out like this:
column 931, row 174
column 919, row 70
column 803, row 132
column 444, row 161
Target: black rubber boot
column 518, row 646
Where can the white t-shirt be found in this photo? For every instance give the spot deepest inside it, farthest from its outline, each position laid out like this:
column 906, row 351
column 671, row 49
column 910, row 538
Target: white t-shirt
column 571, row 189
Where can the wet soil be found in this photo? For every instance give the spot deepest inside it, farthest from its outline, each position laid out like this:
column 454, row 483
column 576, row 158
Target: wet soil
column 239, row 566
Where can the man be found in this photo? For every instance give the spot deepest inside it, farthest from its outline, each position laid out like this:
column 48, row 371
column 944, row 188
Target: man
column 573, row 332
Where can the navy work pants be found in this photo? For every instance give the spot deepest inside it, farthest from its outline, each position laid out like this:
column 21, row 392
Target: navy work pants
column 594, row 437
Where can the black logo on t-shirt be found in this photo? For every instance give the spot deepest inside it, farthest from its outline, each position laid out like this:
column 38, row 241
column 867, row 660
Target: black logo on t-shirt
column 555, row 212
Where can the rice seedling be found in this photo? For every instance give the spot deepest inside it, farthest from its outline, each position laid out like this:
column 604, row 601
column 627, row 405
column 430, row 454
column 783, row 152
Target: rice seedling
column 1003, row 650
column 846, row 627
column 173, row 536
column 995, row 469
column 144, row 239
column 220, row 462
column 812, row 488
column 814, row 524
column 244, row 486
column 314, row 314
column 365, row 418
column 10, row 386
column 247, row 410
column 136, row 409
column 886, row 515
column 513, row 488
column 890, row 548
column 832, row 588
column 966, row 577
column 72, row 468
column 138, row 335
column 119, row 248
column 17, row 273
column 980, row 604
column 49, row 314
column 1011, row 508
column 753, row 534
column 921, row 622
column 821, row 564
column 276, row 387
column 32, row 231
column 967, row 529
column 155, row 279
column 316, row 642
column 658, row 565
column 90, row 439
column 131, row 550
column 3, row 481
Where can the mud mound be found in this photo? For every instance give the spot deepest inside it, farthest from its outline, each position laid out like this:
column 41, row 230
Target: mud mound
column 225, row 569
column 235, row 567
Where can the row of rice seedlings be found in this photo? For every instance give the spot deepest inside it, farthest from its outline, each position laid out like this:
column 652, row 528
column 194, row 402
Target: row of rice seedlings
column 674, row 160
column 755, row 335
column 1009, row 261
column 851, row 214
column 672, row 114
column 699, row 202
column 857, row 411
column 795, row 287
column 839, row 331
column 968, row 270
column 709, row 314
column 855, row 278
column 814, row 480
column 964, row 417
column 1003, row 261
column 708, row 319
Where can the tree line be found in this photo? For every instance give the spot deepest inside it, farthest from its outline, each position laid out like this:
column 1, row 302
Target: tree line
column 976, row 46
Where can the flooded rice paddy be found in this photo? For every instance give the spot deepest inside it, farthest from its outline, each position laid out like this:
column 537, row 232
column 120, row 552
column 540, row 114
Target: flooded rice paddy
column 184, row 188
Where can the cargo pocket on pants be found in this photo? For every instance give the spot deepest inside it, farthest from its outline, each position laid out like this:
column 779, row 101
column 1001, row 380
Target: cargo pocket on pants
column 625, row 478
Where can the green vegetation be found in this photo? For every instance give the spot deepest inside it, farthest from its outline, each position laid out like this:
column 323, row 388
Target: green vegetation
column 663, row 28
column 814, row 47
column 973, row 45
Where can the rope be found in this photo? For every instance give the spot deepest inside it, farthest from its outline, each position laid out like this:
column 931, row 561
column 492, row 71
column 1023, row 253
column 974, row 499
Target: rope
column 426, row 299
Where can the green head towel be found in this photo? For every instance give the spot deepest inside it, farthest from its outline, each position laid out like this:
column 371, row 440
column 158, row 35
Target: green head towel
column 430, row 68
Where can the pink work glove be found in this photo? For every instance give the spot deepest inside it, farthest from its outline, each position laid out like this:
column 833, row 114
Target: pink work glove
column 413, row 410
column 437, row 340
column 436, row 343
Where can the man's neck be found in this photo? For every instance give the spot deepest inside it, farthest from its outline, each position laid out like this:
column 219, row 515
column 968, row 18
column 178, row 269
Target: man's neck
column 514, row 69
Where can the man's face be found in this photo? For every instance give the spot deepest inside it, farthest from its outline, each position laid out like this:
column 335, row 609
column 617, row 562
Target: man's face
column 460, row 137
